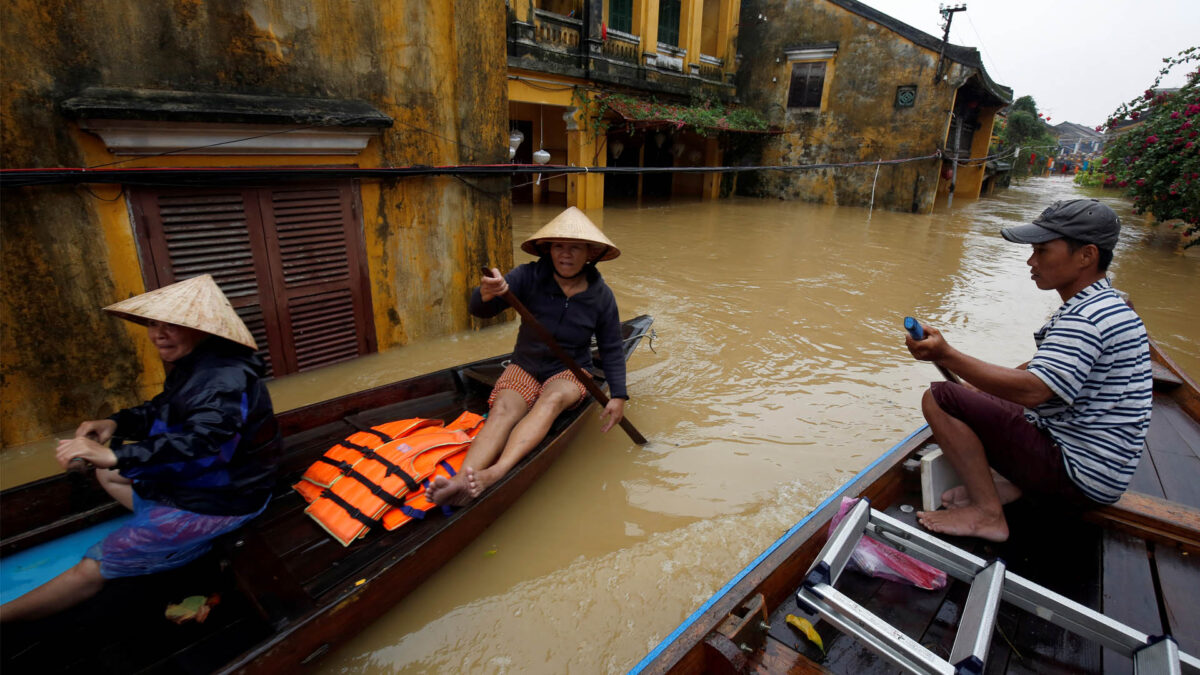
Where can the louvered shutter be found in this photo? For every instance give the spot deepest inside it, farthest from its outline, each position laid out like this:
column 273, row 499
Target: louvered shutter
column 311, row 236
column 193, row 232
column 289, row 259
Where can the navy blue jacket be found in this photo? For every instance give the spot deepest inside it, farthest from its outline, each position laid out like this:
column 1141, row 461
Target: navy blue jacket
column 208, row 443
column 572, row 321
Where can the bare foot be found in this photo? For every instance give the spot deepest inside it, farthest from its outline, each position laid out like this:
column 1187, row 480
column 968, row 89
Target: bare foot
column 1007, row 491
column 966, row 521
column 956, row 497
column 443, row 491
column 483, row 479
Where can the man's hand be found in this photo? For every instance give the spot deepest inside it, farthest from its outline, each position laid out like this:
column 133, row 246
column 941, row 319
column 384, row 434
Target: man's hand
column 614, row 411
column 933, row 348
column 100, row 431
column 87, row 450
column 493, row 286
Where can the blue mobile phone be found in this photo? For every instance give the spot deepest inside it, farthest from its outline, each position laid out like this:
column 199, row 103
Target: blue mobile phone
column 914, row 328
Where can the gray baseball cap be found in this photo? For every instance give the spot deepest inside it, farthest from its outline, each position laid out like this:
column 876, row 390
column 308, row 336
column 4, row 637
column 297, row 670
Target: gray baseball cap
column 1086, row 220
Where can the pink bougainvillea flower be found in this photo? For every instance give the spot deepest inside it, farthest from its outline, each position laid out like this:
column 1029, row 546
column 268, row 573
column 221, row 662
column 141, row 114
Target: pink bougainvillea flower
column 1135, row 114
column 1175, row 115
column 1149, row 94
column 1141, row 182
column 1152, row 139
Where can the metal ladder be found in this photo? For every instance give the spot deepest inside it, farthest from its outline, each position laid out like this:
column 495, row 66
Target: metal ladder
column 990, row 583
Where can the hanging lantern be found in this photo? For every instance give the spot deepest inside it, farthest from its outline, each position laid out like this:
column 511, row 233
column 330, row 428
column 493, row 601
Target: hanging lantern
column 617, row 147
column 512, row 152
column 660, row 138
column 515, row 139
column 541, row 156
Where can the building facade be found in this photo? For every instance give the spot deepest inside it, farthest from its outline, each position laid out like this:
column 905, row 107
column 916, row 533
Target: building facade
column 322, row 267
column 848, row 84
column 579, row 72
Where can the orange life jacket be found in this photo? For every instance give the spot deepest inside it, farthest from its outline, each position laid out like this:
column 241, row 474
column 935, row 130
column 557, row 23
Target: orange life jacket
column 338, row 459
column 352, row 486
column 416, row 504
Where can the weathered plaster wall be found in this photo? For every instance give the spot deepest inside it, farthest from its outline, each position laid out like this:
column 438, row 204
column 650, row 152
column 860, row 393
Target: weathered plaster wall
column 437, row 68
column 858, row 120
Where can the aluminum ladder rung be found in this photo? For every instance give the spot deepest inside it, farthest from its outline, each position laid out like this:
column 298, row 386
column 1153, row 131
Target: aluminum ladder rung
column 969, row 653
column 1161, row 656
column 991, row 584
column 837, row 550
column 854, row 619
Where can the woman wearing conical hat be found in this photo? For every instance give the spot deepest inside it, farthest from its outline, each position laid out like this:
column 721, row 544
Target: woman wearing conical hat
column 565, row 293
column 201, row 459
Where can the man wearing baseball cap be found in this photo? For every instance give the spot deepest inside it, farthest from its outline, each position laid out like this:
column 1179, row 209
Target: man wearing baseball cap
column 1070, row 424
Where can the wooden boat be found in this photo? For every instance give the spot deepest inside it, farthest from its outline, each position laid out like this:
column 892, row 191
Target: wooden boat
column 1137, row 561
column 288, row 592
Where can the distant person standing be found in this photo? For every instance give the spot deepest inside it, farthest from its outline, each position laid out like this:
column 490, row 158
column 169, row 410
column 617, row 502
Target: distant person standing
column 1068, row 425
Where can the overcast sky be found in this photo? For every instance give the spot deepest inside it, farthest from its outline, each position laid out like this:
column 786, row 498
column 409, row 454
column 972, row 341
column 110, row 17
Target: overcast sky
column 1079, row 59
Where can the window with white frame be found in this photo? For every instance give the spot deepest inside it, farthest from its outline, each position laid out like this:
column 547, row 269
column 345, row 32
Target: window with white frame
column 809, row 66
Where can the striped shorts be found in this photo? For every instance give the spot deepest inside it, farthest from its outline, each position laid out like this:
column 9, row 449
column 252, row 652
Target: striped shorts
column 516, row 379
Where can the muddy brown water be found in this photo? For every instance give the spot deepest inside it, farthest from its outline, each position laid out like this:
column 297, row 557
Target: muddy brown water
column 778, row 372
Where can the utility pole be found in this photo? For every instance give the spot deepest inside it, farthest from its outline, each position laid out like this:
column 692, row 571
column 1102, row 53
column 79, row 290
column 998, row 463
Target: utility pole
column 948, row 16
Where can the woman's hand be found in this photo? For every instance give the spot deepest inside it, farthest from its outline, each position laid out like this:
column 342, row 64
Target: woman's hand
column 493, row 286
column 614, row 411
column 85, row 449
column 100, row 431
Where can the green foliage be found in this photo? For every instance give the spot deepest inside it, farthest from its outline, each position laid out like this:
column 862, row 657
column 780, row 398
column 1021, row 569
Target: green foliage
column 1090, row 178
column 1025, row 104
column 704, row 116
column 1157, row 159
column 1024, row 129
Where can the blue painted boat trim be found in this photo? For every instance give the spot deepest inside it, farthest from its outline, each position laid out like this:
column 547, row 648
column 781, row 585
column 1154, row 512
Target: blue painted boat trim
column 649, row 658
column 25, row 570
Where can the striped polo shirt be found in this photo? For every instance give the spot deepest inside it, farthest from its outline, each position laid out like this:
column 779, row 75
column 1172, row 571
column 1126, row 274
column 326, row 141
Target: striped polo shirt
column 1095, row 357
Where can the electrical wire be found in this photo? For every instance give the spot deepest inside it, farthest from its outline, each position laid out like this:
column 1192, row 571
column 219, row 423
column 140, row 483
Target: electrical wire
column 205, row 176
column 983, row 47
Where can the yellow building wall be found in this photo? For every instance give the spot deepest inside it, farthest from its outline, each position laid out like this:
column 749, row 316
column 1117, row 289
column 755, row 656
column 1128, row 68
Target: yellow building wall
column 858, row 120
column 69, row 250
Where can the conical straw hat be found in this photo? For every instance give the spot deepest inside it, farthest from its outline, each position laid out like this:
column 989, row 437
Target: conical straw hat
column 196, row 303
column 572, row 224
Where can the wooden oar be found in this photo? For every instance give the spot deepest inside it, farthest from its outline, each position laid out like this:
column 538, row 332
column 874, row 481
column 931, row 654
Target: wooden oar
column 563, row 356
column 917, row 333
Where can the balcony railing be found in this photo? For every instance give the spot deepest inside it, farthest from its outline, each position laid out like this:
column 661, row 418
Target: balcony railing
column 622, row 46
column 712, row 68
column 556, row 31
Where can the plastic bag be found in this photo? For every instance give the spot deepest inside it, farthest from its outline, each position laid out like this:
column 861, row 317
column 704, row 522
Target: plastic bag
column 879, row 560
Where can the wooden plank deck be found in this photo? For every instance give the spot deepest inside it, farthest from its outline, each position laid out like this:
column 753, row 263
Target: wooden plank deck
column 1148, row 585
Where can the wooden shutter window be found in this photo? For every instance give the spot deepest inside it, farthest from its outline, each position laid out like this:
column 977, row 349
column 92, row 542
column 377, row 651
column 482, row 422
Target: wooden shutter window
column 288, row 258
column 807, row 85
column 187, row 233
column 316, row 273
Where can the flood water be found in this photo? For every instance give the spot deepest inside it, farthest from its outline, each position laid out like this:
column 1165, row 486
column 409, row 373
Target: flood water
column 778, row 372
